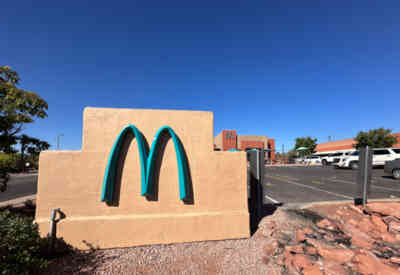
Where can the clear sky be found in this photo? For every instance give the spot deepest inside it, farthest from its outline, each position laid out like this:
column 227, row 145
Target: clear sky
column 278, row 68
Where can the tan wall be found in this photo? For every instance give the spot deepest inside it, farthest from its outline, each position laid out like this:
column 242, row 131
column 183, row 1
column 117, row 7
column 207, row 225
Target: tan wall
column 72, row 181
column 218, row 141
column 242, row 138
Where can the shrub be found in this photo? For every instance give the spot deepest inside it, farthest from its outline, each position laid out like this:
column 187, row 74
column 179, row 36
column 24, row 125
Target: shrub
column 20, row 245
column 9, row 163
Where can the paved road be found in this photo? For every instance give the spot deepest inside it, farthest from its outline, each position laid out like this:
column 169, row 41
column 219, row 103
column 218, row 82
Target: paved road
column 20, row 186
column 310, row 184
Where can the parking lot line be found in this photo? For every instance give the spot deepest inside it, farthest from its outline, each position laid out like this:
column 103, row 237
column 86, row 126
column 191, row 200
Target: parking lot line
column 271, row 199
column 374, row 186
column 313, row 188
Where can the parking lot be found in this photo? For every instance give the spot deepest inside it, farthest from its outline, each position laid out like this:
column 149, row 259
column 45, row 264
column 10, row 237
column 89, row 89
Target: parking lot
column 311, row 184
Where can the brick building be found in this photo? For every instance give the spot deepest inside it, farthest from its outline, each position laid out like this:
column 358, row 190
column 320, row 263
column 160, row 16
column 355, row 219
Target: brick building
column 344, row 144
column 229, row 139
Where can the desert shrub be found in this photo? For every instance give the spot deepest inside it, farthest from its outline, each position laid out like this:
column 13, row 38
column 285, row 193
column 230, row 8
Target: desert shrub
column 9, row 163
column 21, row 248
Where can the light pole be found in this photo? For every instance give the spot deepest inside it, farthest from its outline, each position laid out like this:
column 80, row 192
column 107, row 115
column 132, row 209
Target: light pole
column 58, row 140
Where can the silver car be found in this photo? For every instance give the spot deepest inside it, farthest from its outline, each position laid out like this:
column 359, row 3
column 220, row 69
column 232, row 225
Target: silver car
column 393, row 167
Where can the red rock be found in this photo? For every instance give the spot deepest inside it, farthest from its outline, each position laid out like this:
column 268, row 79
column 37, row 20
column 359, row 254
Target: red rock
column 365, row 225
column 310, row 250
column 394, row 227
column 271, row 248
column 312, row 270
column 266, row 260
column 275, row 271
column 395, row 260
column 385, row 208
column 297, row 249
column 367, row 263
column 352, row 222
column 279, row 260
column 361, row 241
column 358, row 210
column 379, row 224
column 339, row 212
column 289, row 258
column 301, row 262
column 316, row 243
column 376, row 234
column 326, row 224
column 339, row 255
column 389, row 237
column 308, row 230
column 333, row 268
column 358, row 238
column 300, row 235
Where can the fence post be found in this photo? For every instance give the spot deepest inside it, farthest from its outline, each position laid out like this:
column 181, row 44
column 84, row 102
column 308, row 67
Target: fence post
column 256, row 179
column 364, row 175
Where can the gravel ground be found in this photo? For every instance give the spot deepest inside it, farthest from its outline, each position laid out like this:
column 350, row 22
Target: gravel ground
column 243, row 256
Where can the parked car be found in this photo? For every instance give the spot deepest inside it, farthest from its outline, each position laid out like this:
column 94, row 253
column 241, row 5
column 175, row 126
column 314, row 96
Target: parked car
column 393, row 167
column 299, row 160
column 334, row 157
column 312, row 160
column 379, row 157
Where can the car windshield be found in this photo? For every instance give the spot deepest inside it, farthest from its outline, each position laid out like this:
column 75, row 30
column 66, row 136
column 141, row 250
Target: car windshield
column 355, row 153
column 397, row 150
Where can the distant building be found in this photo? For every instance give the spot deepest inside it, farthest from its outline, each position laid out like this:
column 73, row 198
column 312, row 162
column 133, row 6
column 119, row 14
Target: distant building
column 345, row 144
column 229, row 139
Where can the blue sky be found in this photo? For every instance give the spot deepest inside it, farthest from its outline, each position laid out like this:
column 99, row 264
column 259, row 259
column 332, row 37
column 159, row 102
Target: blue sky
column 278, row 68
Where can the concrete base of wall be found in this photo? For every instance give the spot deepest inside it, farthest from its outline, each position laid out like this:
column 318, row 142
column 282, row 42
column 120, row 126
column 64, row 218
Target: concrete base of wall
column 133, row 230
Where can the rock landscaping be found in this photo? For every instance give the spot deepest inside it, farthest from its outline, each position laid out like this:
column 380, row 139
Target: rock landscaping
column 336, row 240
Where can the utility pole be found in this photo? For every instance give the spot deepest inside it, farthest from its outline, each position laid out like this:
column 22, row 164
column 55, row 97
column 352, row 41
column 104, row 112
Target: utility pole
column 58, row 140
column 329, row 138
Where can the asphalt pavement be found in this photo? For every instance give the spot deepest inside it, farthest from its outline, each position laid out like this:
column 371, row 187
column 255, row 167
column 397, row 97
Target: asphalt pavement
column 20, row 186
column 313, row 184
column 281, row 185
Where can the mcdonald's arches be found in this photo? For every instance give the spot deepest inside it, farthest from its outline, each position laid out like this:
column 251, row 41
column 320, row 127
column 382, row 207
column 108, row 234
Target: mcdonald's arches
column 115, row 193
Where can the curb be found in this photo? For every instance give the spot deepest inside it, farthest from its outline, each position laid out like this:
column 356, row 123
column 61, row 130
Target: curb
column 18, row 201
column 312, row 204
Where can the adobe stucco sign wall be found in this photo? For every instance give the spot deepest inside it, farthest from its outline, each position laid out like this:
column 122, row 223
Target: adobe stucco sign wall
column 115, row 194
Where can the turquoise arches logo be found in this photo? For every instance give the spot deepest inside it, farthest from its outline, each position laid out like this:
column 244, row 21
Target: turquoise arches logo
column 147, row 163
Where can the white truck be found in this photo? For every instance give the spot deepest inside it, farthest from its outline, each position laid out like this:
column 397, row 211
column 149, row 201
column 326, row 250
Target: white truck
column 379, row 157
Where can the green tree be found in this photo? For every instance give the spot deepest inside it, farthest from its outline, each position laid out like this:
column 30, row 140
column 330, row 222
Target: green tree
column 375, row 138
column 32, row 146
column 291, row 155
column 36, row 147
column 307, row 142
column 17, row 107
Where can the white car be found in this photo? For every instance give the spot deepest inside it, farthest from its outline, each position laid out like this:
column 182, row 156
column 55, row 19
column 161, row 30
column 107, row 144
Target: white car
column 334, row 158
column 379, row 157
column 299, row 160
column 312, row 160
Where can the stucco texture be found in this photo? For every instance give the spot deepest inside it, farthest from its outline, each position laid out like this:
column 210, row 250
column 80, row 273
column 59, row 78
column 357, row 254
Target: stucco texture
column 72, row 181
